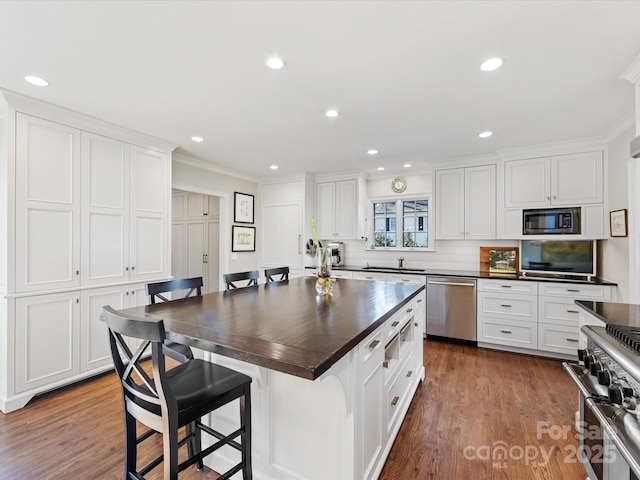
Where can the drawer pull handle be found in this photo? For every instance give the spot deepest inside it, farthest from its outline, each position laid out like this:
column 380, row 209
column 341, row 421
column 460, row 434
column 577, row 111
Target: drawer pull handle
column 505, row 286
column 505, row 305
column 573, row 290
column 416, row 324
column 374, row 344
column 573, row 311
column 419, row 300
column 395, row 324
column 409, row 310
column 394, row 401
column 409, row 373
column 505, row 331
column 572, row 340
column 385, row 364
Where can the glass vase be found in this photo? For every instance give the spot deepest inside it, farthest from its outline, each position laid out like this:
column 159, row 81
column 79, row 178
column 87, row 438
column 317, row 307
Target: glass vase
column 323, row 284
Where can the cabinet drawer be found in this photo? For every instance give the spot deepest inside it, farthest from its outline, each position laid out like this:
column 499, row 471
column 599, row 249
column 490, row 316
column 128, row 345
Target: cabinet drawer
column 517, row 334
column 394, row 277
column 558, row 338
column 508, row 286
column 398, row 391
column 370, row 276
column 514, row 307
column 558, row 310
column 396, row 322
column 371, row 351
column 599, row 293
column 341, row 274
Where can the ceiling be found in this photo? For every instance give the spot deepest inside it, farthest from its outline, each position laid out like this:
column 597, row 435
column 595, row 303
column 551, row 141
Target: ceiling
column 404, row 75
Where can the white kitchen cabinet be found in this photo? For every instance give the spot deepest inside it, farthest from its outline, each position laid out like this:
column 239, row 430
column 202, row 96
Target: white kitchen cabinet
column 94, row 346
column 124, row 212
column 574, row 179
column 47, row 205
column 47, row 339
column 371, row 276
column 197, row 205
column 341, row 208
column 507, row 313
column 466, row 203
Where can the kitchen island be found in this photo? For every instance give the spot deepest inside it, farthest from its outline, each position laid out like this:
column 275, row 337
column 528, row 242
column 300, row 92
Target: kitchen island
column 333, row 377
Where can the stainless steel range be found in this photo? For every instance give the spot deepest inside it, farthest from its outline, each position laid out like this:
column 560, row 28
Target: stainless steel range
column 608, row 379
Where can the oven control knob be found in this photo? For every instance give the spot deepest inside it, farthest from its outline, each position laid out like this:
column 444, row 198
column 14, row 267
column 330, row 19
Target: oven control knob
column 595, row 368
column 588, row 360
column 604, row 377
column 627, row 391
column 582, row 353
column 616, row 395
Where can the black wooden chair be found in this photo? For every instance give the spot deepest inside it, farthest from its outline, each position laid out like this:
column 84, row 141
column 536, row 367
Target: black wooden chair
column 168, row 400
column 251, row 276
column 177, row 351
column 269, row 273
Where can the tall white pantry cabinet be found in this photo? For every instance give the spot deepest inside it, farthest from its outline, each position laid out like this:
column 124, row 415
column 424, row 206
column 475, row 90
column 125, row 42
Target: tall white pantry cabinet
column 84, row 222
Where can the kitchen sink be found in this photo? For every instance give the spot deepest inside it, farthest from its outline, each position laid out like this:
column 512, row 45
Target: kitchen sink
column 395, row 269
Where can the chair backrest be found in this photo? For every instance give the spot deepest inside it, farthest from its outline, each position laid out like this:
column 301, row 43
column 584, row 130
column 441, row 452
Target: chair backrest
column 251, row 276
column 192, row 285
column 148, row 392
column 269, row 273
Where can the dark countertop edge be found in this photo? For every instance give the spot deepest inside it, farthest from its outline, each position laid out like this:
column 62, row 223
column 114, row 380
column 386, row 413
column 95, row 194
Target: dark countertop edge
column 615, row 309
column 310, row 372
column 472, row 274
column 588, row 306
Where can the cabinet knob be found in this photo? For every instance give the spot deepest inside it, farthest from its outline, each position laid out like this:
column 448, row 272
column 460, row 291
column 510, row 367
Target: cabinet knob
column 395, row 324
column 126, row 293
column 77, row 272
column 409, row 373
column 133, row 292
column 77, row 300
column 555, row 197
column 394, row 401
column 133, row 268
column 126, row 269
column 548, row 198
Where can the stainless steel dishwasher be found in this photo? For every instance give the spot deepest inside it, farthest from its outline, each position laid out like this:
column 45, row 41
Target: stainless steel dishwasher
column 451, row 308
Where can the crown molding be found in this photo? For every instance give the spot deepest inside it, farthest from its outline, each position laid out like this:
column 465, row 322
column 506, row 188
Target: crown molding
column 632, row 73
column 554, row 148
column 454, row 162
column 621, row 126
column 211, row 167
column 48, row 111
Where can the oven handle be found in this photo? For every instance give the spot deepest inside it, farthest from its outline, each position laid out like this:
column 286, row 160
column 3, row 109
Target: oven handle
column 596, row 404
column 621, row 444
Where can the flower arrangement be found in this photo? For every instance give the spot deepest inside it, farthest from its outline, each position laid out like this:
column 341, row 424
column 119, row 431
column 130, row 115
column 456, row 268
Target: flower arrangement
column 323, row 284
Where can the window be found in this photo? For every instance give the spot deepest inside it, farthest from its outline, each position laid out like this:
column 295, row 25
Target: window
column 403, row 223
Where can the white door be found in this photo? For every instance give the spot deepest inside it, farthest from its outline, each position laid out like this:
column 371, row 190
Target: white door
column 281, row 237
column 47, row 339
column 346, row 206
column 149, row 255
column 527, row 182
column 577, row 178
column 325, row 210
column 47, row 205
column 105, row 210
column 196, row 249
column 212, row 265
column 480, row 202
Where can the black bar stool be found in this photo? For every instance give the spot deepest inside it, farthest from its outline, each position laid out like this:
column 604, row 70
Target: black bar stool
column 269, row 273
column 252, row 276
column 175, row 398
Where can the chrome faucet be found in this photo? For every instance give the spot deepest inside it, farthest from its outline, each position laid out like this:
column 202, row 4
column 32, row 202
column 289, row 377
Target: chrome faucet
column 400, row 260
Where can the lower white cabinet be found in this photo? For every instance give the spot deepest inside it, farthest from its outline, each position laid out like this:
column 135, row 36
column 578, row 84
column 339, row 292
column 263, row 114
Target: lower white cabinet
column 372, row 276
column 47, row 340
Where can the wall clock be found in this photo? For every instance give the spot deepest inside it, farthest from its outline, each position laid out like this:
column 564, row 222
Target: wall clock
column 399, row 185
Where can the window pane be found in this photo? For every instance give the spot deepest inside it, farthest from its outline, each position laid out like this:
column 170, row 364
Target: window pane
column 409, row 224
column 414, row 221
column 409, row 207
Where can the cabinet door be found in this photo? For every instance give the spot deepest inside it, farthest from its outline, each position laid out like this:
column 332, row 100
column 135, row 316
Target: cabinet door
column 346, row 204
column 527, row 182
column 178, row 249
column 150, row 188
column 47, row 339
column 212, row 281
column 325, row 210
column 197, row 205
column 195, row 250
column 480, row 202
column 47, row 205
column 450, row 204
column 105, row 210
column 577, row 179
column 282, row 235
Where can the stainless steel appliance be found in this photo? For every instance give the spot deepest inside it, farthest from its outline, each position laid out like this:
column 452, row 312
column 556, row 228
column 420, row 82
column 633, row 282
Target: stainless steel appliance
column 451, row 308
column 551, row 221
column 608, row 379
column 337, row 253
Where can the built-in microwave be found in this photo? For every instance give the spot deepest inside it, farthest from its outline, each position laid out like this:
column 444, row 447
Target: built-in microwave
column 551, row 221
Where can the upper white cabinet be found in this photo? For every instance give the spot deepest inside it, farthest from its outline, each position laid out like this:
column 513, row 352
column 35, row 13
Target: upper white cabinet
column 47, row 205
column 574, row 179
column 466, row 203
column 341, row 209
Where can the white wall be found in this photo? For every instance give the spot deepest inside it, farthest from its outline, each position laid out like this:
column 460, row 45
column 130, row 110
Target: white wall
column 188, row 176
column 614, row 252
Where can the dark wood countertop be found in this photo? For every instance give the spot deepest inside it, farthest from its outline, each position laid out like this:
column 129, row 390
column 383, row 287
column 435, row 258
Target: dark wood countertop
column 612, row 312
column 284, row 326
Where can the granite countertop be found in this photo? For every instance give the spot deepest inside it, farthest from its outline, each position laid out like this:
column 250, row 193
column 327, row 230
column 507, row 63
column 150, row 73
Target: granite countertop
column 615, row 313
column 472, row 274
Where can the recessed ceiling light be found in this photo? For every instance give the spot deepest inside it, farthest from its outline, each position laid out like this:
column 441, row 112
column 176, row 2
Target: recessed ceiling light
column 332, row 113
column 37, row 81
column 197, row 139
column 380, row 168
column 407, row 165
column 372, row 152
column 491, row 64
column 273, row 167
column 276, row 63
column 485, row 134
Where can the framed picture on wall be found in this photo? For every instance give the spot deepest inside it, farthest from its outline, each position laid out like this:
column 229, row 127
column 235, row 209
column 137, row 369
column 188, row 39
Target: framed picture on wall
column 243, row 239
column 618, row 223
column 242, row 207
column 503, row 260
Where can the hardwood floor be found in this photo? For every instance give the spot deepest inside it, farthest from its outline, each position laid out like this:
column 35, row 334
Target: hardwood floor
column 471, row 400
